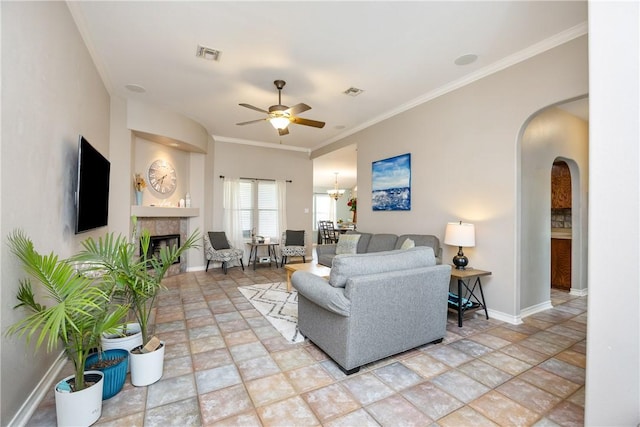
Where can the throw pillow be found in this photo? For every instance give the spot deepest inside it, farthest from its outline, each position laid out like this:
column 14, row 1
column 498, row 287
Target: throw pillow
column 408, row 244
column 347, row 244
column 219, row 240
column 294, row 238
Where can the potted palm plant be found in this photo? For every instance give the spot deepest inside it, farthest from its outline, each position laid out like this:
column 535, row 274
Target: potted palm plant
column 78, row 313
column 138, row 279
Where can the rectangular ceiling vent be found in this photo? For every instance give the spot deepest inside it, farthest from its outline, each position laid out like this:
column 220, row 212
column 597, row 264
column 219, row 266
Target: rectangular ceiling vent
column 208, row 53
column 353, row 91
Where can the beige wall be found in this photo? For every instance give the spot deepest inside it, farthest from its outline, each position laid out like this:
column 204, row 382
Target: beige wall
column 246, row 161
column 51, row 92
column 464, row 150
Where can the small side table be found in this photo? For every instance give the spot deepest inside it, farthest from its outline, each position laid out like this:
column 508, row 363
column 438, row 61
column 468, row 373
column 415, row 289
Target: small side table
column 466, row 298
column 271, row 251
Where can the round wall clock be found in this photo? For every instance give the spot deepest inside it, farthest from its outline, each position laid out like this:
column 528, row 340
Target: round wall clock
column 162, row 176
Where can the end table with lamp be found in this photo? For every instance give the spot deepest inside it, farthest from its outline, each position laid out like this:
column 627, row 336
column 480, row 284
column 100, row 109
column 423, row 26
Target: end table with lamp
column 467, row 299
column 464, row 235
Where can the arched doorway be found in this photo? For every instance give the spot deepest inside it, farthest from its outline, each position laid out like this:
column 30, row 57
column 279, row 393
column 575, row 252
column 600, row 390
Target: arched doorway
column 561, row 225
column 549, row 135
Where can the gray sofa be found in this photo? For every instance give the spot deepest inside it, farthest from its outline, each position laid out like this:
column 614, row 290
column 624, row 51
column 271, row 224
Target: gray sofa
column 374, row 305
column 370, row 242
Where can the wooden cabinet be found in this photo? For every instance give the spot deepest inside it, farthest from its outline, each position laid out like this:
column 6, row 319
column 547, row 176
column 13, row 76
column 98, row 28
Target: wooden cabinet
column 561, row 263
column 560, row 186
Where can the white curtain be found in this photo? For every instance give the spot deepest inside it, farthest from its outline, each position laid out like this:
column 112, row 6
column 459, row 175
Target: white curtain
column 232, row 221
column 332, row 211
column 281, row 194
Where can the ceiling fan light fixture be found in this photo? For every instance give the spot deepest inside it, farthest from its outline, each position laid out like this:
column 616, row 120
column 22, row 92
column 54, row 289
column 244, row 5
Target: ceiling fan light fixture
column 280, row 115
column 279, row 122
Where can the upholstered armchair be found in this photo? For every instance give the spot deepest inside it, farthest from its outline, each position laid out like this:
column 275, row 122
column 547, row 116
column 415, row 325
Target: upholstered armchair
column 293, row 243
column 217, row 248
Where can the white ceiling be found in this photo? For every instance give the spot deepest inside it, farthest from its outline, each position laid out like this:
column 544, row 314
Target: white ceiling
column 399, row 53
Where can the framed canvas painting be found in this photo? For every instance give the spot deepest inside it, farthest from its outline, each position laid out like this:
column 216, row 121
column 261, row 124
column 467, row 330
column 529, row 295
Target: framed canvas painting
column 391, row 184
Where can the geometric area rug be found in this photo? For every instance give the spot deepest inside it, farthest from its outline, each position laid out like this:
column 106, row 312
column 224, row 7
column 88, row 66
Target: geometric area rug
column 278, row 306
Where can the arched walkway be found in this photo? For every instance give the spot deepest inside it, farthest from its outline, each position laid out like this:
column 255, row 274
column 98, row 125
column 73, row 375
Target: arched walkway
column 547, row 135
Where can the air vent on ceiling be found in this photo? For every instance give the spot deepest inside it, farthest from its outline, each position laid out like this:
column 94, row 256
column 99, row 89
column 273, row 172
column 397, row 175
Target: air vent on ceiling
column 208, row 53
column 353, row 91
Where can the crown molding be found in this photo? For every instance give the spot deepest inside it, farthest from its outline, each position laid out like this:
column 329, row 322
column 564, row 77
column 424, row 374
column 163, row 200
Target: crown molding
column 529, row 52
column 230, row 140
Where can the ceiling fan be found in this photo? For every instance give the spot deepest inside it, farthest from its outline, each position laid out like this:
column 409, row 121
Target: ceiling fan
column 280, row 115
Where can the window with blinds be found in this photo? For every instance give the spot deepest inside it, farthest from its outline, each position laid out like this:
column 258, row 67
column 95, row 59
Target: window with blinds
column 259, row 208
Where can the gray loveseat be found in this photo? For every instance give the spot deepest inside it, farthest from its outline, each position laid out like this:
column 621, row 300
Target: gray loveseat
column 369, row 243
column 374, row 305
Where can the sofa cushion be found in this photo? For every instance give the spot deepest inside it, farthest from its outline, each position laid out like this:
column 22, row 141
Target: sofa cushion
column 421, row 240
column 363, row 242
column 346, row 266
column 407, row 244
column 347, row 244
column 382, row 242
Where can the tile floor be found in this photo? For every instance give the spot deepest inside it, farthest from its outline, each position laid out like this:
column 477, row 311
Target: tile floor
column 225, row 365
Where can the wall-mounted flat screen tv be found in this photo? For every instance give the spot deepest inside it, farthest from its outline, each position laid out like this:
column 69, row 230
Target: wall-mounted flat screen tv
column 92, row 195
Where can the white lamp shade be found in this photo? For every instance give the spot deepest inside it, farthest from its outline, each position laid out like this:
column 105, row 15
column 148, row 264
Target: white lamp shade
column 460, row 234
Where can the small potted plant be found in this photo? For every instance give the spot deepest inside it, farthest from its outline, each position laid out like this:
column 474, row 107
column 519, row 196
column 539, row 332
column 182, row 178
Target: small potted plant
column 78, row 313
column 139, row 279
column 353, row 207
column 139, row 184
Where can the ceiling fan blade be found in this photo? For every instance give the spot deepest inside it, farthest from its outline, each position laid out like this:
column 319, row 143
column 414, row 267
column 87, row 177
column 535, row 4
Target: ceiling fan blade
column 284, row 131
column 254, row 108
column 298, row 108
column 307, row 122
column 251, row 121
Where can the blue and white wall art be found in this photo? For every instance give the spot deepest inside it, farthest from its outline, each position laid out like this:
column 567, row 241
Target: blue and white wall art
column 391, row 184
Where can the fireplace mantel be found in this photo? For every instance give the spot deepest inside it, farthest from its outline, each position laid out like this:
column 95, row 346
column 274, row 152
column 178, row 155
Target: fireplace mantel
column 164, row 212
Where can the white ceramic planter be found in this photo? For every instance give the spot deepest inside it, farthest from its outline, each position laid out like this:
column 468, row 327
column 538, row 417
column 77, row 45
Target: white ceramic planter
column 146, row 368
column 81, row 408
column 109, row 342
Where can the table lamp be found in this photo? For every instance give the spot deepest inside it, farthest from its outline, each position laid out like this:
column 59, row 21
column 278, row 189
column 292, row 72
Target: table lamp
column 460, row 234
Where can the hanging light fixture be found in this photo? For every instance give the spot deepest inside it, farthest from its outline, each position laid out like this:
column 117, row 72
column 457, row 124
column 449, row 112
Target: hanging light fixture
column 336, row 193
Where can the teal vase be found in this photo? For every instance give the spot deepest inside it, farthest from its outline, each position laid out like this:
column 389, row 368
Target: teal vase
column 139, row 198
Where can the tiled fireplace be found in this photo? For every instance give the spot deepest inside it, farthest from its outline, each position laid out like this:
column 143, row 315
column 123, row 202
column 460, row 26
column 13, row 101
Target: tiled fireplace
column 166, row 230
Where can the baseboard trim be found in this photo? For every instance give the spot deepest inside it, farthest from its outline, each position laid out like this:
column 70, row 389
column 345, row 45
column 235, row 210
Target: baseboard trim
column 546, row 305
column 579, row 292
column 503, row 317
column 30, row 405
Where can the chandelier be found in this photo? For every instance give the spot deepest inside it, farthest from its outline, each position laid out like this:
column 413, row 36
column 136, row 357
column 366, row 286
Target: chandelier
column 336, row 193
